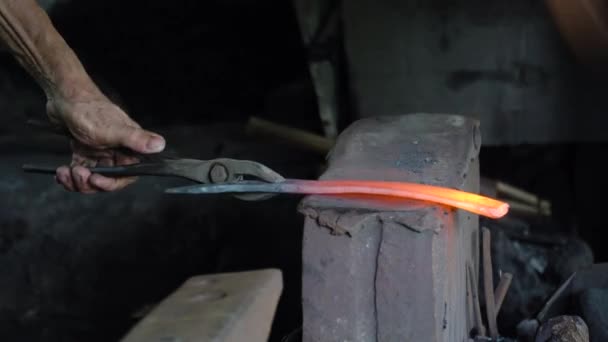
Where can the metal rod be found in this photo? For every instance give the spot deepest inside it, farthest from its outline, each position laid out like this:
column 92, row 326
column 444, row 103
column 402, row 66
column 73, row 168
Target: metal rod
column 39, row 169
column 556, row 300
column 501, row 290
column 141, row 169
column 481, row 329
column 470, row 305
column 290, row 135
column 423, row 192
column 517, row 193
column 488, row 286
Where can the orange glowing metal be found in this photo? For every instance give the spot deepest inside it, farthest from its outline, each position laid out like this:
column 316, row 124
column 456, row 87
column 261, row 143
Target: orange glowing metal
column 474, row 203
column 451, row 197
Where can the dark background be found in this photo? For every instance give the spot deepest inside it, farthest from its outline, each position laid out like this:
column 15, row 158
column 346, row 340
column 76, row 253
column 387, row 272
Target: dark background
column 187, row 61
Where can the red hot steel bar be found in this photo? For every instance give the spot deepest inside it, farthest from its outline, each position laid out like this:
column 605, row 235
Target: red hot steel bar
column 468, row 201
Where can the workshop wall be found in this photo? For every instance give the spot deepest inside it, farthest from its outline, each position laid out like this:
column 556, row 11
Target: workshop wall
column 503, row 62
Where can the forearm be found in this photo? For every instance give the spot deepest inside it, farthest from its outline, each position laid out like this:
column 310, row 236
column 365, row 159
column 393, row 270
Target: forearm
column 28, row 32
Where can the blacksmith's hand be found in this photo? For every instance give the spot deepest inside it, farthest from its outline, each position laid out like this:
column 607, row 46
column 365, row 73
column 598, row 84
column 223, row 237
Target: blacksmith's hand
column 98, row 127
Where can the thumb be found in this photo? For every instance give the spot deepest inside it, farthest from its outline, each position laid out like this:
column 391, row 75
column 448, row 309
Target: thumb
column 138, row 139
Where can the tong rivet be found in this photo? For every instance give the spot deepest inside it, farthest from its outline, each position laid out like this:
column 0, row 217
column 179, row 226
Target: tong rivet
column 218, row 173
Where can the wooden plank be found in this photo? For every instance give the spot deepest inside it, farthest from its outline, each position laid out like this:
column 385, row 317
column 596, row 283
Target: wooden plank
column 223, row 307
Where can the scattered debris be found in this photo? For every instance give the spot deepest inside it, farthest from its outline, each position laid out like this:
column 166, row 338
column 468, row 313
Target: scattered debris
column 581, row 302
column 540, row 260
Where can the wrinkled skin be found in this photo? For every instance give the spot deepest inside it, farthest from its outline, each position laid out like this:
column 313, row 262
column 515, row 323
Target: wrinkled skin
column 74, row 102
column 98, row 127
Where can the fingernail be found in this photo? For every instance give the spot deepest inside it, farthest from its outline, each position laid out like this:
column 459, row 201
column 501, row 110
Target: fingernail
column 155, row 144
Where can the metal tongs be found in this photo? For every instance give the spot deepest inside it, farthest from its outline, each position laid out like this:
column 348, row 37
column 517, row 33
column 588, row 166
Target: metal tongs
column 213, row 171
column 249, row 180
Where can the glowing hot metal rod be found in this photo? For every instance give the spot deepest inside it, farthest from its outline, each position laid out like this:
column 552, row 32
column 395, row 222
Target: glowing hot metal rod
column 472, row 202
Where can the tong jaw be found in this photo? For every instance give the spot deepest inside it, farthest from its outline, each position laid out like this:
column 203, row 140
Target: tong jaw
column 231, row 171
column 225, row 170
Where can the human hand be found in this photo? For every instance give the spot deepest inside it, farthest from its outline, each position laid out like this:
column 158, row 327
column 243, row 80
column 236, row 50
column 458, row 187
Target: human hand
column 98, row 128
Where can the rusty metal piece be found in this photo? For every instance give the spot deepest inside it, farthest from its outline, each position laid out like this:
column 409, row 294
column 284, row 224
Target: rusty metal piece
column 558, row 301
column 228, row 307
column 488, row 286
column 501, row 290
column 479, row 327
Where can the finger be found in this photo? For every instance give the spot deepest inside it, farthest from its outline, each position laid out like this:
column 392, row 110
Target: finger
column 110, row 184
column 123, row 159
column 64, row 176
column 106, row 162
column 83, row 151
column 80, row 177
column 83, row 160
column 137, row 139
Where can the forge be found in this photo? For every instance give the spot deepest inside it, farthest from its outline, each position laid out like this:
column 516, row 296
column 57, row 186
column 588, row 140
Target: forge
column 364, row 170
column 375, row 272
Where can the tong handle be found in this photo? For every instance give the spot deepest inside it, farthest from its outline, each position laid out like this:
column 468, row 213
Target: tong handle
column 141, row 169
